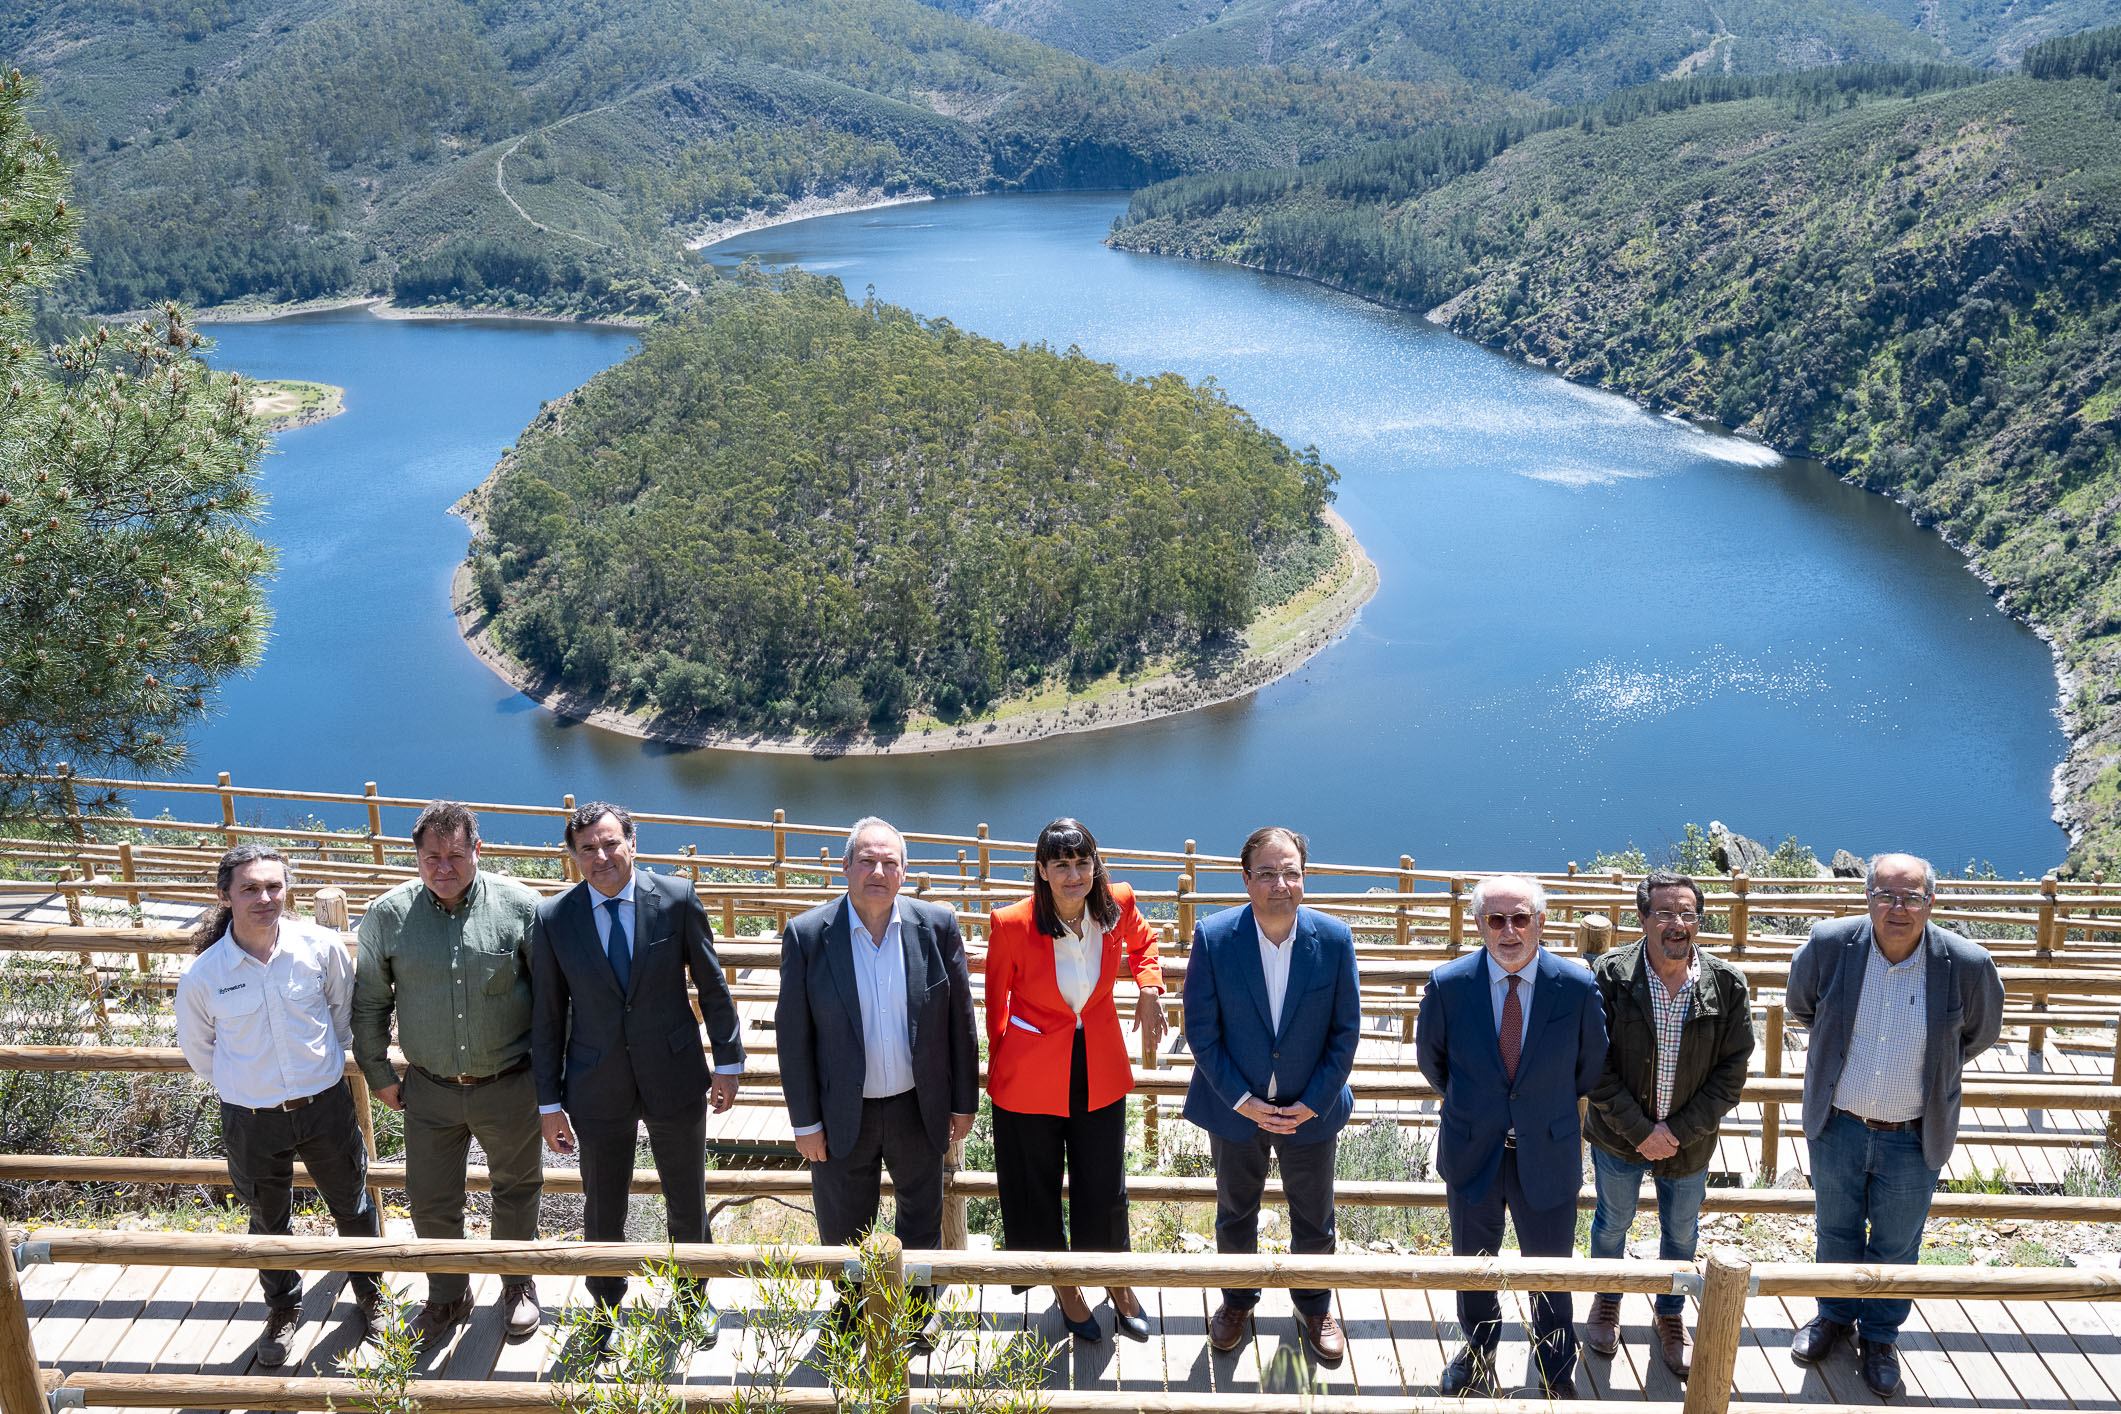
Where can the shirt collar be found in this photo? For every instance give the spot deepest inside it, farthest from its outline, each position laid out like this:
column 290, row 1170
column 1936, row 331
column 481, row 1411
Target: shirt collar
column 1524, row 974
column 1267, row 942
column 470, row 896
column 860, row 932
column 624, row 895
column 1693, row 972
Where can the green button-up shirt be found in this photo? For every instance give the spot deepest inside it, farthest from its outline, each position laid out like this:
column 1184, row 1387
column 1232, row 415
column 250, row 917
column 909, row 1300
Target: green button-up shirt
column 459, row 982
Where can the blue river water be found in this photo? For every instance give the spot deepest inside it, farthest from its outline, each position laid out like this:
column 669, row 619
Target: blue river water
column 1594, row 623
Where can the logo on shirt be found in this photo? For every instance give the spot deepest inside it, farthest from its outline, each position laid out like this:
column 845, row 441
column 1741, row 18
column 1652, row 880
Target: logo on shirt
column 224, row 991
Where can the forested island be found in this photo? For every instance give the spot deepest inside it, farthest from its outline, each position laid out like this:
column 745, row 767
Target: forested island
column 1912, row 273
column 794, row 521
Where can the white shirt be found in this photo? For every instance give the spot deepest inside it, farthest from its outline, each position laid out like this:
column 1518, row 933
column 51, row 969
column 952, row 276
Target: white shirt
column 264, row 1033
column 1274, row 964
column 600, row 911
column 1882, row 1074
column 880, row 979
column 1078, row 963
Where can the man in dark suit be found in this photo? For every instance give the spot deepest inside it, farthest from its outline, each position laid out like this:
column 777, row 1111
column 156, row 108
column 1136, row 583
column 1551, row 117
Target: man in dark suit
column 879, row 1058
column 613, row 1042
column 1272, row 1018
column 1511, row 1037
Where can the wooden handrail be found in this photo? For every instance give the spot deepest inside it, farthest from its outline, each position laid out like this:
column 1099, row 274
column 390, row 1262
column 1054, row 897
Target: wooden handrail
column 965, row 1183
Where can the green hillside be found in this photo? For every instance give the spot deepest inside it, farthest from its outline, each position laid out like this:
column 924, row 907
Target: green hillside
column 1564, row 51
column 553, row 153
column 1911, row 275
column 789, row 512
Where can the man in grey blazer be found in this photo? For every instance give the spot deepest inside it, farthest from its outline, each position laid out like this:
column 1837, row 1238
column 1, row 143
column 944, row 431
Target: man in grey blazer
column 1896, row 1007
column 879, row 1059
column 613, row 1042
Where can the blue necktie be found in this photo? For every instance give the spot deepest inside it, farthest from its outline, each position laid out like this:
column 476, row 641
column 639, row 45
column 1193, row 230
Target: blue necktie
column 621, row 955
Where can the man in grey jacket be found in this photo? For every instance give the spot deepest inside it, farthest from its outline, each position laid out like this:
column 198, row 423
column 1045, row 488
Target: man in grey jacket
column 1896, row 1007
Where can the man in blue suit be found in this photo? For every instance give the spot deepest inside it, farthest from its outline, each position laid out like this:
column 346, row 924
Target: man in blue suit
column 1511, row 1037
column 1272, row 1018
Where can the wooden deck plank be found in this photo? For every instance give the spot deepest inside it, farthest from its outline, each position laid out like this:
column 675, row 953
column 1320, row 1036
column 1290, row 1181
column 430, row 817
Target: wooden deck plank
column 2022, row 1365
column 1985, row 1380
column 104, row 1332
column 1373, row 1360
column 1834, row 1380
column 2098, row 1342
column 2040, row 1325
column 535, row 1357
column 67, row 1317
column 1137, row 1365
column 1763, row 1370
column 1422, row 1343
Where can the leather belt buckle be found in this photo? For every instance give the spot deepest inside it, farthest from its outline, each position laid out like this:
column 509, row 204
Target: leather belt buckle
column 1509, row 1141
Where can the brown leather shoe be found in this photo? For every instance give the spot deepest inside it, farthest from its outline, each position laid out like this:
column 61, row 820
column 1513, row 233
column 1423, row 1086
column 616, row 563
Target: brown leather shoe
column 280, row 1323
column 1601, row 1333
column 1226, row 1328
column 436, row 1318
column 1323, row 1337
column 1673, row 1342
column 519, row 1308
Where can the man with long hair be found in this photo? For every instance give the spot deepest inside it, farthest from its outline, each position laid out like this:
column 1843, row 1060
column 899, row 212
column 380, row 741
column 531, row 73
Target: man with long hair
column 264, row 1015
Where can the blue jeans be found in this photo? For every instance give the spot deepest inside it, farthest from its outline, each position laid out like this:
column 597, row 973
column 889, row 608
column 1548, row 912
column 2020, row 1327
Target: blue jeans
column 1874, row 1193
column 1678, row 1214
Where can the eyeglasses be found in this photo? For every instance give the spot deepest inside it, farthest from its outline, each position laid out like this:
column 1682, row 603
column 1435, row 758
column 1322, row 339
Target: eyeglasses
column 1665, row 915
column 1291, row 877
column 1499, row 921
column 1913, row 898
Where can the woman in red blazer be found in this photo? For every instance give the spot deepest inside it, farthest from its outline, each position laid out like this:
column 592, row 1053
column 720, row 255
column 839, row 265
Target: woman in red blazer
column 1057, row 1066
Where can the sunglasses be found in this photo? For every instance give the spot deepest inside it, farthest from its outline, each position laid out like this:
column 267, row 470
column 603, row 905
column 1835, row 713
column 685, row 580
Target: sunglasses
column 1499, row 921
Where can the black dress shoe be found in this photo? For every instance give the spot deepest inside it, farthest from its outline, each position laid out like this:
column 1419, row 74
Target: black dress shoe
column 1881, row 1367
column 1470, row 1372
column 1816, row 1339
column 1560, row 1387
column 1134, row 1327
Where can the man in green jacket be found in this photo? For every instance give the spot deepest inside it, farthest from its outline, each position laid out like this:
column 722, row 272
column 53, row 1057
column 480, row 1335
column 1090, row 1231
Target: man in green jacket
column 1680, row 1033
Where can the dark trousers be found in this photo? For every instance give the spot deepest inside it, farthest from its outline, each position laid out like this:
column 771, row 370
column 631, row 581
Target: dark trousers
column 679, row 1143
column 1240, row 1183
column 262, row 1148
column 1476, row 1231
column 846, row 1189
column 1032, row 1152
column 441, row 1120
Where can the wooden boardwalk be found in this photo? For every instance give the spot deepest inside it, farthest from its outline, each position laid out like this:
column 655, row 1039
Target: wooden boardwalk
column 2008, row 1355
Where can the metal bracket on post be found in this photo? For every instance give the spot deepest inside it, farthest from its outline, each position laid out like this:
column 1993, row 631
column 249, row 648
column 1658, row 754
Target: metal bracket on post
column 1686, row 1284
column 68, row 1397
column 32, row 1254
column 1752, row 1285
column 920, row 1274
column 852, row 1271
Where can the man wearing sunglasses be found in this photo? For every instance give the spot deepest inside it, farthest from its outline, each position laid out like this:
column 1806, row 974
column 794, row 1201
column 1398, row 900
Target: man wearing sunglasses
column 1680, row 1032
column 1511, row 1037
column 1896, row 1007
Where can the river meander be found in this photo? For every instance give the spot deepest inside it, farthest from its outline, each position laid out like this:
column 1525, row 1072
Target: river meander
column 1594, row 623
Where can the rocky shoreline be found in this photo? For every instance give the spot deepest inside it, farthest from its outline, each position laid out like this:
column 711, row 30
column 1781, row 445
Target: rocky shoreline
column 1296, row 638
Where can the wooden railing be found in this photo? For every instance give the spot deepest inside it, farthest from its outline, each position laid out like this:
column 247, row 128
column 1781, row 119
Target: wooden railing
column 1721, row 1283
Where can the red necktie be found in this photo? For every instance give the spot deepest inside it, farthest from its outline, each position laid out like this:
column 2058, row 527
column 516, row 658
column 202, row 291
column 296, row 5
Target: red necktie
column 1512, row 1028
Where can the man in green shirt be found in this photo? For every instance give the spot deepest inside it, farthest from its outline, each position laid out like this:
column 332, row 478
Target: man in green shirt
column 450, row 954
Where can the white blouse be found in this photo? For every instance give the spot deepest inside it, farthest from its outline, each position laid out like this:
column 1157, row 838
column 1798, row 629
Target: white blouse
column 1077, row 962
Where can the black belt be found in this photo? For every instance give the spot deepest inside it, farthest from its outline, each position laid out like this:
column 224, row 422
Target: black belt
column 472, row 1082
column 298, row 1102
column 1890, row 1126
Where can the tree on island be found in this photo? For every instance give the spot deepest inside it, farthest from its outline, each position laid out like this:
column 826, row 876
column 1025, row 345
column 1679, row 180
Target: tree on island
column 131, row 584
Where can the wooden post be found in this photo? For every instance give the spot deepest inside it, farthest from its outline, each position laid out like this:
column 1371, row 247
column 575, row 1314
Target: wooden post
column 21, row 1388
column 1719, row 1331
column 1402, row 934
column 1594, row 934
column 1741, row 910
column 1185, row 908
column 954, row 1203
column 1151, row 1110
column 780, row 849
column 228, row 814
column 729, row 915
column 2047, row 937
column 1770, row 1111
column 567, row 869
column 2113, row 1118
column 880, row 1303
column 329, row 907
column 984, row 861
column 127, row 872
column 375, row 822
column 71, row 898
column 1568, row 914
column 1458, row 912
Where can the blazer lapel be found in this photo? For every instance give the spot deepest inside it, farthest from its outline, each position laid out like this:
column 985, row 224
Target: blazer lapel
column 912, row 946
column 1244, row 941
column 585, row 927
column 1303, row 961
column 647, row 913
column 1936, row 984
column 839, row 961
column 1546, row 1000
